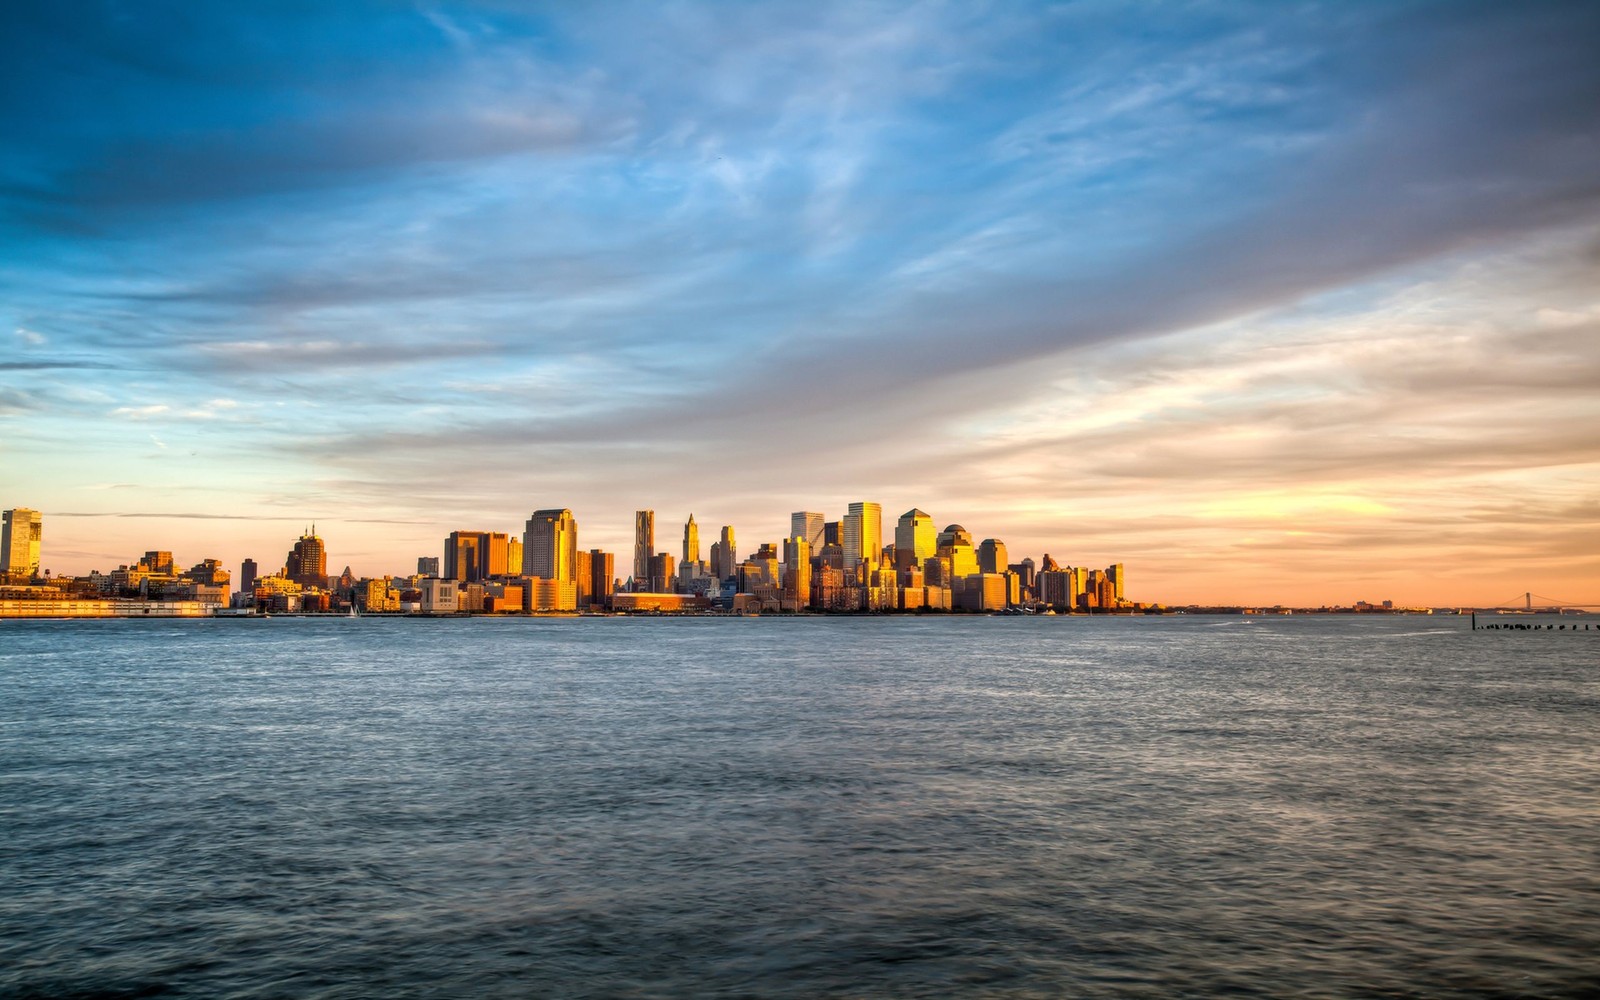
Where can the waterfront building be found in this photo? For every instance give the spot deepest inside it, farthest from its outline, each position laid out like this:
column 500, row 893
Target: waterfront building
column 21, row 533
column 550, row 545
column 248, row 571
column 551, row 595
column 507, row 596
column 1055, row 589
column 808, row 525
column 660, row 603
column 861, row 533
column 1114, row 574
column 377, row 596
column 440, row 597
column 644, row 545
column 914, row 538
column 307, row 563
column 514, row 557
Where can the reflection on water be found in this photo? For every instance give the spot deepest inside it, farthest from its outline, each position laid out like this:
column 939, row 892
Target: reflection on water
column 839, row 807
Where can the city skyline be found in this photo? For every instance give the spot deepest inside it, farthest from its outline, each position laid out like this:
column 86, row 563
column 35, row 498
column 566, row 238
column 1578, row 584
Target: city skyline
column 1275, row 304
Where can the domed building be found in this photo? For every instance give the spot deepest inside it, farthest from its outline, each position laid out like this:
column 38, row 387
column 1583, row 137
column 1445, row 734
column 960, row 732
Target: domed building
column 954, row 534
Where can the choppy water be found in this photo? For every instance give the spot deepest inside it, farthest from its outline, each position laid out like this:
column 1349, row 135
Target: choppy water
column 811, row 808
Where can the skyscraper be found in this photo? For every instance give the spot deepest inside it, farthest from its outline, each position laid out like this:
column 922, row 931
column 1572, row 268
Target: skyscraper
column 808, row 525
column 691, row 542
column 730, row 552
column 992, row 556
column 307, row 563
column 955, row 544
column 797, row 569
column 22, row 531
column 862, row 531
column 913, row 539
column 585, row 579
column 602, row 582
column 644, row 545
column 550, row 545
column 427, row 565
column 247, row 576
column 463, row 559
column 494, row 554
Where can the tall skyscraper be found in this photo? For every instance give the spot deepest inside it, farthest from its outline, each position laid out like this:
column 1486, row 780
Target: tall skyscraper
column 718, row 570
column 913, row 539
column 730, row 552
column 691, row 542
column 644, row 545
column 1115, row 575
column 585, row 579
column 22, row 531
column 550, row 545
column 307, row 563
column 992, row 556
column 797, row 569
column 248, row 571
column 602, row 576
column 463, row 556
column 808, row 525
column 862, row 530
column 494, row 555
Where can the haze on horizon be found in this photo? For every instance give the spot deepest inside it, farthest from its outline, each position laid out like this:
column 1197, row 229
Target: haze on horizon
column 1269, row 302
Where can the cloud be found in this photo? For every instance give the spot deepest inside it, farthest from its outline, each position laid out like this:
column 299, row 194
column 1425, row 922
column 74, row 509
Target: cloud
column 782, row 250
column 142, row 412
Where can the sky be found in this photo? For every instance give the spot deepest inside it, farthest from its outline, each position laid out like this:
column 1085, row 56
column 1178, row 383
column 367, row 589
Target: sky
column 1286, row 302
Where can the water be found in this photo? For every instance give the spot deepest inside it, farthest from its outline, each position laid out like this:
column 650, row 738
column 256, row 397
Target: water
column 976, row 807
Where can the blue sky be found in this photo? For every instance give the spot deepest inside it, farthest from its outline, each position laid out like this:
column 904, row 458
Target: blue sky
column 1265, row 300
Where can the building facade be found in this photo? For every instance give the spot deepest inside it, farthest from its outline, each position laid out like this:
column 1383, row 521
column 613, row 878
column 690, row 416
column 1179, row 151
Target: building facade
column 20, row 538
column 862, row 533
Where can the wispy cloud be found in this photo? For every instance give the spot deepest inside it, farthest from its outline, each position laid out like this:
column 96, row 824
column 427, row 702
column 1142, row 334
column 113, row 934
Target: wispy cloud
column 1030, row 258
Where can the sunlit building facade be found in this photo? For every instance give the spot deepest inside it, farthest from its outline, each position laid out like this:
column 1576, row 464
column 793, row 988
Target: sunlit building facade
column 691, row 542
column 808, row 525
column 307, row 563
column 862, row 533
column 20, row 539
column 550, row 545
column 914, row 538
